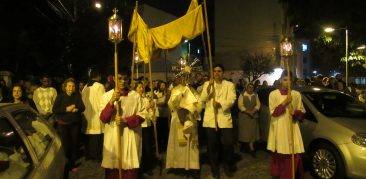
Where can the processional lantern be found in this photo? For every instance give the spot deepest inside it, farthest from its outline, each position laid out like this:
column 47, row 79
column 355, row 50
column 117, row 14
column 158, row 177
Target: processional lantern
column 115, row 27
column 286, row 48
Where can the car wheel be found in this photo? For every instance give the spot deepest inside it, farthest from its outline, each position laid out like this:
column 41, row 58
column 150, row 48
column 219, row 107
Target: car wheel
column 326, row 162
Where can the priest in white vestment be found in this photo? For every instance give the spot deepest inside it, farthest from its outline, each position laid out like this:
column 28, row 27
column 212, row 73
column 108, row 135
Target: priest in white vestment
column 183, row 150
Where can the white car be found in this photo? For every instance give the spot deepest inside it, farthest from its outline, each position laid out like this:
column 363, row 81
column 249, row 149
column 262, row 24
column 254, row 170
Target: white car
column 29, row 146
column 333, row 131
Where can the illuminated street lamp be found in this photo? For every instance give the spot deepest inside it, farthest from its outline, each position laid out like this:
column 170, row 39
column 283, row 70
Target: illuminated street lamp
column 362, row 47
column 115, row 36
column 329, row 30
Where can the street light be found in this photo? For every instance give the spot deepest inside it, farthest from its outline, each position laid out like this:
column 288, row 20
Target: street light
column 329, row 30
column 362, row 47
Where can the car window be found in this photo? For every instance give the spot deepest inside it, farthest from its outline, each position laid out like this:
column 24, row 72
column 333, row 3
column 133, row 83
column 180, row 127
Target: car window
column 336, row 104
column 15, row 161
column 37, row 131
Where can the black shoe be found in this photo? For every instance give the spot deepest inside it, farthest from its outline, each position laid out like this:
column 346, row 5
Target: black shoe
column 228, row 173
column 196, row 174
column 149, row 172
column 215, row 173
column 253, row 154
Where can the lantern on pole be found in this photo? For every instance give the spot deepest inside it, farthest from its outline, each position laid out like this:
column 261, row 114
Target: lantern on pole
column 286, row 51
column 115, row 36
column 115, row 27
column 286, row 48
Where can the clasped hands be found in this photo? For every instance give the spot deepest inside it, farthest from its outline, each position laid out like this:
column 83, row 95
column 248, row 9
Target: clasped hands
column 72, row 108
column 250, row 112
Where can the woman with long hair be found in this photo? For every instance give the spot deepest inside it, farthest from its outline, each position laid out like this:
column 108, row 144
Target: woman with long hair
column 18, row 96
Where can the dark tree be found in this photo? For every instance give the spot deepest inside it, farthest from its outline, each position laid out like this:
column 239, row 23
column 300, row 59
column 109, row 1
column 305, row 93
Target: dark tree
column 309, row 17
column 256, row 65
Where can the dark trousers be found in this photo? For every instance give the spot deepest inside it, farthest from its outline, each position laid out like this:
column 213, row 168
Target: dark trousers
column 95, row 146
column 163, row 132
column 147, row 157
column 69, row 134
column 220, row 141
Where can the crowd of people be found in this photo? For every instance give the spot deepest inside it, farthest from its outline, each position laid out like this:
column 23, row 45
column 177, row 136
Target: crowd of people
column 128, row 125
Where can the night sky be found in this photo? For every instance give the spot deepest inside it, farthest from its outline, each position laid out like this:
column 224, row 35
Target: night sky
column 65, row 37
column 61, row 38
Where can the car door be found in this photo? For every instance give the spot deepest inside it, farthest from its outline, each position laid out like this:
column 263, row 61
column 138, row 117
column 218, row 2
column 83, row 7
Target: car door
column 308, row 125
column 44, row 142
column 17, row 159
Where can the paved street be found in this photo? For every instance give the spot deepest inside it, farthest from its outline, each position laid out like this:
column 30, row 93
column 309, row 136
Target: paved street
column 247, row 167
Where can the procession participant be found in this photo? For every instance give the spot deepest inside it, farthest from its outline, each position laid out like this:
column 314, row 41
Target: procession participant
column 129, row 122
column 151, row 112
column 183, row 150
column 92, row 96
column 218, row 121
column 279, row 137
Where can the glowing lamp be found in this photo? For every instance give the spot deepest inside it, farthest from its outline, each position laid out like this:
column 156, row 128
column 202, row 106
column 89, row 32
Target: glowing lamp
column 115, row 27
column 286, row 48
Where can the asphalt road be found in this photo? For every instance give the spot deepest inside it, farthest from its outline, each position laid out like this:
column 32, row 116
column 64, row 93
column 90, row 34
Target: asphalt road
column 247, row 167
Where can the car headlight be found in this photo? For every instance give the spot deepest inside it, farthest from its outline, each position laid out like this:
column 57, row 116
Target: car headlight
column 359, row 139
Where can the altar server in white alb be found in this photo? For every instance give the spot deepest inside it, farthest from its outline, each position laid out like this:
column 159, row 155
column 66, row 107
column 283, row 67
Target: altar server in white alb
column 129, row 122
column 151, row 112
column 92, row 96
column 279, row 138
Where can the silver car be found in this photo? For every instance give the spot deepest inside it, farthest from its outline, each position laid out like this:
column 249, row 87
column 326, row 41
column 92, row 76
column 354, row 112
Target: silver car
column 333, row 131
column 29, row 147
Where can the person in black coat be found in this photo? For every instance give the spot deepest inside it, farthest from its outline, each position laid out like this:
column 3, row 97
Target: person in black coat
column 68, row 107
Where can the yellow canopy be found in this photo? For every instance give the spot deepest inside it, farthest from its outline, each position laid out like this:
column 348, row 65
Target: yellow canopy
column 166, row 36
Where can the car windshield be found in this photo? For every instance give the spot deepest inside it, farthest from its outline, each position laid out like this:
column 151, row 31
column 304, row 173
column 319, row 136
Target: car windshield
column 336, row 104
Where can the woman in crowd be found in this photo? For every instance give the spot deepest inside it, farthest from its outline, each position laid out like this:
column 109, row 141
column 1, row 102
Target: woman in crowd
column 68, row 108
column 248, row 104
column 18, row 96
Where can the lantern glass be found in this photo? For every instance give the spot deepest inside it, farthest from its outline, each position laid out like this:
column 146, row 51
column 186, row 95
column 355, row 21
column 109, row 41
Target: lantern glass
column 286, row 48
column 137, row 57
column 115, row 27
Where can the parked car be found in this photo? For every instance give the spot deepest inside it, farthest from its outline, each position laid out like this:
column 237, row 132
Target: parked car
column 29, row 146
column 333, row 131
